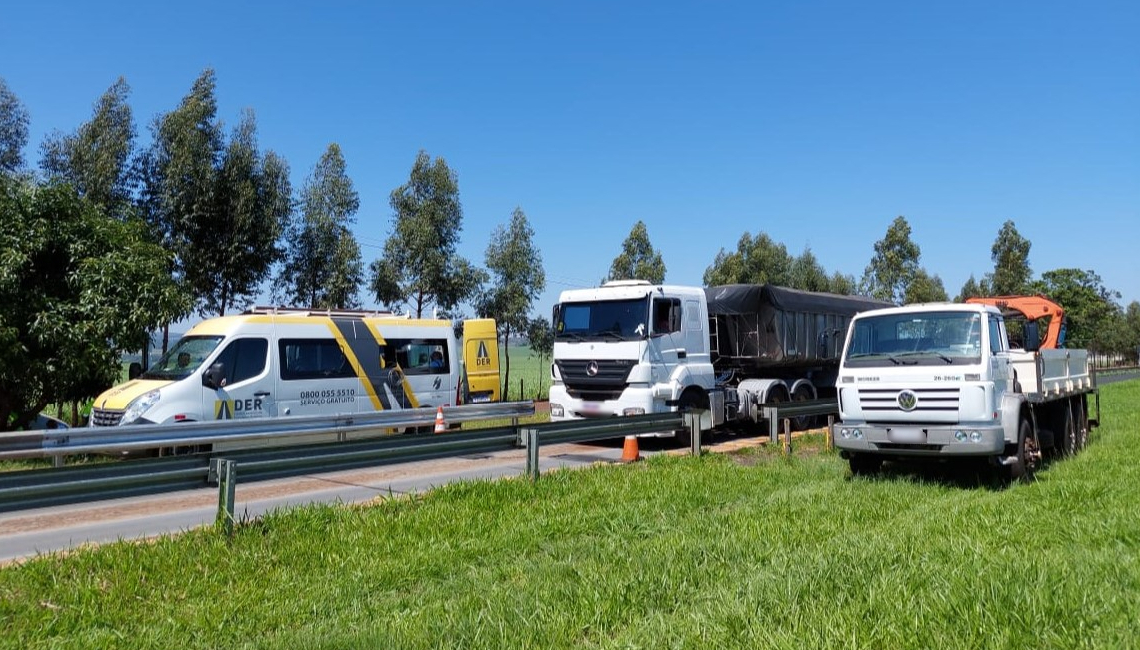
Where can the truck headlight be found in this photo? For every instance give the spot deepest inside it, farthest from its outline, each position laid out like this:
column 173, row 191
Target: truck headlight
column 633, row 410
column 556, row 410
column 975, row 436
column 140, row 405
column 960, row 436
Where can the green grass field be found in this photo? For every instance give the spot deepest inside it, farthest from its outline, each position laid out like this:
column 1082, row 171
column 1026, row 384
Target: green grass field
column 744, row 550
column 529, row 376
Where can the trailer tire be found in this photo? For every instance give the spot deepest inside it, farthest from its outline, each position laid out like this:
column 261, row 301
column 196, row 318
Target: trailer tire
column 803, row 422
column 865, row 464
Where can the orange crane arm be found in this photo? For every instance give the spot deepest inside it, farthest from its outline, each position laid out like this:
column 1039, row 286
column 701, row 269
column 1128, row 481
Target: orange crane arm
column 1033, row 308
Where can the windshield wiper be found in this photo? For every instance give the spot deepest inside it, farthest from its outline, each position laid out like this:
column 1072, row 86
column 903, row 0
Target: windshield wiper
column 573, row 336
column 916, row 353
column 613, row 333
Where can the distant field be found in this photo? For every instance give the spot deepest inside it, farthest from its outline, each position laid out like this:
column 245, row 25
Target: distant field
column 741, row 550
column 529, row 374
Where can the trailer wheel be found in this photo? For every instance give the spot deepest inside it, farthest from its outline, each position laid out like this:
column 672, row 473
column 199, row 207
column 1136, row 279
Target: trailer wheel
column 1025, row 461
column 865, row 464
column 802, row 422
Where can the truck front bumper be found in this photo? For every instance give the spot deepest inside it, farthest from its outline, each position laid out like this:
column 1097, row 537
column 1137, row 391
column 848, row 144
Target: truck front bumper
column 633, row 401
column 919, row 440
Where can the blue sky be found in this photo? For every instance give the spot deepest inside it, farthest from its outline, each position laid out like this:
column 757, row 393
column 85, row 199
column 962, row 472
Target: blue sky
column 815, row 122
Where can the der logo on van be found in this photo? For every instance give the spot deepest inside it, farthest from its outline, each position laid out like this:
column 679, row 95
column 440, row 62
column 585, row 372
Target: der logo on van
column 228, row 409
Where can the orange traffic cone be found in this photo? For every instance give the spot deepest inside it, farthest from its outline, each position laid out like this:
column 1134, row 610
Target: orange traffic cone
column 440, row 423
column 630, row 453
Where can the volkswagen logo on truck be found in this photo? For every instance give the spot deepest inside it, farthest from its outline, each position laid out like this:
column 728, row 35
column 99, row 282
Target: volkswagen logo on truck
column 907, row 400
column 592, row 369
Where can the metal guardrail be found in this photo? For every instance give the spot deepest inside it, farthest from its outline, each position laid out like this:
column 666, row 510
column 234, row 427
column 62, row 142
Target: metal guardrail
column 55, row 486
column 143, row 437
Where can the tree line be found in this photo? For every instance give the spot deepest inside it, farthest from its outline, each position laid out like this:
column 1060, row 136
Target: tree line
column 108, row 241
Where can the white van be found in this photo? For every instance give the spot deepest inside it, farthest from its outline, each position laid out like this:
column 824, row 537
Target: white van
column 279, row 362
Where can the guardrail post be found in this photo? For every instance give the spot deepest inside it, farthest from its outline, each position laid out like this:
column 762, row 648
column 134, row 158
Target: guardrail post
column 828, row 442
column 787, row 436
column 531, row 436
column 693, row 422
column 226, row 472
column 773, row 424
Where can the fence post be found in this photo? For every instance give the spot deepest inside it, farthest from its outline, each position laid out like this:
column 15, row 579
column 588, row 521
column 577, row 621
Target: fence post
column 531, row 437
column 787, row 437
column 773, row 424
column 828, row 442
column 227, row 484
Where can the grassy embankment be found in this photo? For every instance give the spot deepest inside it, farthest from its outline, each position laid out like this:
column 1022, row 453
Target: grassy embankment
column 745, row 550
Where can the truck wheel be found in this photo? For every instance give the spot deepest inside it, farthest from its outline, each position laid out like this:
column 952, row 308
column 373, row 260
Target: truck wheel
column 1067, row 445
column 1080, row 423
column 691, row 399
column 865, row 464
column 1025, row 460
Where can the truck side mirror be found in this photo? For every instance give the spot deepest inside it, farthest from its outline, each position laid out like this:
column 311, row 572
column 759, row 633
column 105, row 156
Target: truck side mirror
column 1032, row 337
column 134, row 370
column 215, row 376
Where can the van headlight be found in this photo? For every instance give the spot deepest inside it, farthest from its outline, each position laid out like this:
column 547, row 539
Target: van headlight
column 140, row 405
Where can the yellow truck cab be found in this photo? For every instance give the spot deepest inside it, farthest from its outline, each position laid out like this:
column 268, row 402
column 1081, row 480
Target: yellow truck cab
column 272, row 362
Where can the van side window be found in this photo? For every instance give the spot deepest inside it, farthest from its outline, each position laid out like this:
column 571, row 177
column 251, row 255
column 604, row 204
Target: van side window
column 417, row 356
column 244, row 359
column 313, row 359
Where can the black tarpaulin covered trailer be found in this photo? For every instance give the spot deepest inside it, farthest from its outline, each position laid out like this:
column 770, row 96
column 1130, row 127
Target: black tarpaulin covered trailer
column 762, row 325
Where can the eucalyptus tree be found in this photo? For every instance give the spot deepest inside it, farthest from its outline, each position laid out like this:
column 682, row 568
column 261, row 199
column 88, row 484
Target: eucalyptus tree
column 756, row 260
column 14, row 120
column 924, row 287
column 420, row 265
column 638, row 260
column 322, row 267
column 96, row 158
column 517, row 278
column 806, row 273
column 1010, row 254
column 894, row 264
column 232, row 246
column 973, row 288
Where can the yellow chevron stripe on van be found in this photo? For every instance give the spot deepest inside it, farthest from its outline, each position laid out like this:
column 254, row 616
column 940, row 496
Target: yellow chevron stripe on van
column 409, row 394
column 356, row 367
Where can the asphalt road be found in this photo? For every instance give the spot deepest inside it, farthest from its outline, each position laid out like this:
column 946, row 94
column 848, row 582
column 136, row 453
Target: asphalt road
column 57, row 529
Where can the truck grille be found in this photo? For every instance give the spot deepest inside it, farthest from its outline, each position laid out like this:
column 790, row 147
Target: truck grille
column 930, row 400
column 105, row 417
column 608, row 383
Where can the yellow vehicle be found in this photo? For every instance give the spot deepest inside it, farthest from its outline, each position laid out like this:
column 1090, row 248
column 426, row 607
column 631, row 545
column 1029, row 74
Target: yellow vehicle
column 271, row 362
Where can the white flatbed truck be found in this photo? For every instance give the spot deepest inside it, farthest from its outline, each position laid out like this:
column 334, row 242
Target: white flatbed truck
column 941, row 381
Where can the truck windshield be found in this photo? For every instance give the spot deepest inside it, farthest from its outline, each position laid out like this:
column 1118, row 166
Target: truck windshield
column 183, row 359
column 609, row 320
column 915, row 339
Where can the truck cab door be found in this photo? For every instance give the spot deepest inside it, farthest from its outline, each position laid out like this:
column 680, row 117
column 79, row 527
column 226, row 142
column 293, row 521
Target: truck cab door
column 1001, row 366
column 238, row 382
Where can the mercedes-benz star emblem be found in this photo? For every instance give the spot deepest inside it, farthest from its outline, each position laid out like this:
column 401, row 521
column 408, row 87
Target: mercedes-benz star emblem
column 907, row 400
column 592, row 369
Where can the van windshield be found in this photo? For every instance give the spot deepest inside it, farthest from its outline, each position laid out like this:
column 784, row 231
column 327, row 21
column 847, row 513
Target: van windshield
column 183, row 359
